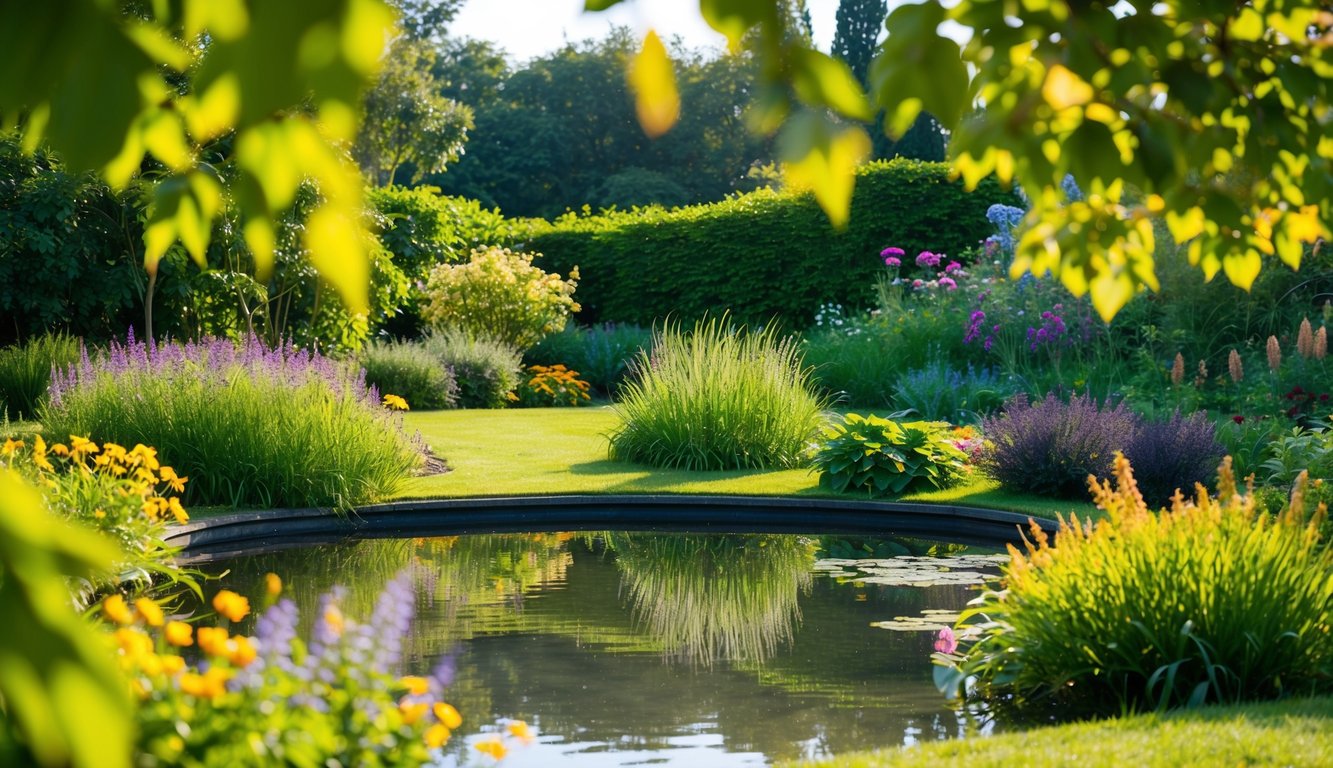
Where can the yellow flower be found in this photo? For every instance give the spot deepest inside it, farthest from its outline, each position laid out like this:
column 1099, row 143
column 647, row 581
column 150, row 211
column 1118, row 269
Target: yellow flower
column 150, row 611
column 11, row 445
column 78, row 446
column 173, row 480
column 446, row 714
column 133, row 643
column 521, row 731
column 395, row 403
column 172, row 665
column 179, row 633
column 494, row 747
column 417, row 686
column 242, row 651
column 334, row 619
column 213, row 641
column 114, row 608
column 176, row 510
column 147, row 456
column 209, row 685
column 273, row 584
column 412, row 711
column 39, row 454
column 231, row 605
column 60, row 449
column 437, row 736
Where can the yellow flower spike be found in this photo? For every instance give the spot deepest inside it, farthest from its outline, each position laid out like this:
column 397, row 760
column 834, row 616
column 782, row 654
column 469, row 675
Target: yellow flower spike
column 437, row 736
column 520, row 730
column 415, row 685
column 150, row 611
column 176, row 510
column 273, row 584
column 412, row 711
column 213, row 641
column 231, row 605
column 494, row 747
column 243, row 651
column 115, row 609
column 179, row 634
column 447, row 715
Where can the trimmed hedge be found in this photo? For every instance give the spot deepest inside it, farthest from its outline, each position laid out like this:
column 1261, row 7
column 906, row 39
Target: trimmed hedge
column 762, row 255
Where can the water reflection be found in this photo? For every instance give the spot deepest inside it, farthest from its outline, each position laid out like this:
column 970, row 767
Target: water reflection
column 688, row 649
column 709, row 597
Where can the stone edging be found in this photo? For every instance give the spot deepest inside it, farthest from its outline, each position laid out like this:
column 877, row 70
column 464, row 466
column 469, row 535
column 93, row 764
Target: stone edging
column 249, row 532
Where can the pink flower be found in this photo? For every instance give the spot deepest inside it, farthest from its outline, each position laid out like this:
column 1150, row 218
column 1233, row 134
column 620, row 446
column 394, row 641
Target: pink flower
column 892, row 261
column 891, row 251
column 927, row 259
column 945, row 642
column 918, row 283
column 952, row 268
column 948, row 284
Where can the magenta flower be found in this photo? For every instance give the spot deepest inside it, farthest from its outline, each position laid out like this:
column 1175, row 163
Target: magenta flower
column 945, row 642
column 948, row 284
column 892, row 261
column 927, row 259
column 918, row 283
column 891, row 251
column 952, row 268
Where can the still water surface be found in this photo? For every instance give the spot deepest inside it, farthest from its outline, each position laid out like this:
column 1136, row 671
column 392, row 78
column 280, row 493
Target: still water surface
column 672, row 649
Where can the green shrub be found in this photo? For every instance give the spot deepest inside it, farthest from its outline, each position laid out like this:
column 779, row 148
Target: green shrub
column 602, row 354
column 889, row 458
column 939, row 392
column 718, row 398
column 25, row 372
column 499, row 293
column 762, row 255
column 1300, row 450
column 1211, row 601
column 247, row 425
column 412, row 373
column 422, row 228
column 486, row 370
column 551, row 386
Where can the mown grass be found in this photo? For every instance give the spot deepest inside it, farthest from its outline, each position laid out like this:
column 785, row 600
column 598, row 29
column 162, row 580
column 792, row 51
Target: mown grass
column 1297, row 732
column 564, row 451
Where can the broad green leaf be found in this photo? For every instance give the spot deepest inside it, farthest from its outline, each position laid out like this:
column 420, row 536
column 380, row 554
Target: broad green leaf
column 158, row 44
column 1242, row 267
column 918, row 68
column 653, row 82
column 223, row 19
column 214, row 112
column 338, row 253
column 823, row 81
column 824, row 160
column 734, row 18
column 365, row 31
column 164, row 136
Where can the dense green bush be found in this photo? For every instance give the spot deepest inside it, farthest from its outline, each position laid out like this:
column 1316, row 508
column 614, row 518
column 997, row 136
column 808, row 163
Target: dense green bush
column 499, row 293
column 422, row 228
column 602, row 354
column 1212, row 601
column 25, row 372
column 409, row 371
column 717, row 398
column 762, row 255
column 248, row 425
column 485, row 369
column 889, row 458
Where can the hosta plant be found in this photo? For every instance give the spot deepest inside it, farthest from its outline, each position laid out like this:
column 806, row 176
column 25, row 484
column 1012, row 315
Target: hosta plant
column 889, row 458
column 1210, row 601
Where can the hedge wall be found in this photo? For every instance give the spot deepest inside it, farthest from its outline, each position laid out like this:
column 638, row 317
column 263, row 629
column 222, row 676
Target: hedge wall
column 762, row 255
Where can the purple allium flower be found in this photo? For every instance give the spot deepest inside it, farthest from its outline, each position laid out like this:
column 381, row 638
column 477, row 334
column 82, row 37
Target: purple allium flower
column 891, row 251
column 927, row 259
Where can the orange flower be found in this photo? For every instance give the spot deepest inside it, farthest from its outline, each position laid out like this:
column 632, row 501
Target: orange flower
column 412, row 711
column 417, row 686
column 242, row 651
column 213, row 640
column 114, row 608
column 231, row 605
column 172, row 665
column 520, row 730
column 172, row 479
column 176, row 510
column 179, row 633
column 437, row 736
column 149, row 610
column 273, row 584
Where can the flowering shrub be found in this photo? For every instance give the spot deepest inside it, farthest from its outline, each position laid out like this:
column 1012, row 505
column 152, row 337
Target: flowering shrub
column 251, row 425
column 124, row 494
column 274, row 698
column 553, row 385
column 1051, row 447
column 1210, row 601
column 499, row 293
column 1176, row 453
column 601, row 353
column 889, row 458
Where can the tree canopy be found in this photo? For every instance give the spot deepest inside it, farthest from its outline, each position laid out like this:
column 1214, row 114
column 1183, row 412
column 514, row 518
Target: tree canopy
column 1209, row 113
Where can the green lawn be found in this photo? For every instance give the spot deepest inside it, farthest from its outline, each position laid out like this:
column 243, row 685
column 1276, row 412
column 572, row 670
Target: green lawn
column 564, row 450
column 1289, row 733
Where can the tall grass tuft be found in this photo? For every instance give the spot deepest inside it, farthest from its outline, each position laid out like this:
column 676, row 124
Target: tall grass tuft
column 25, row 372
column 485, row 369
column 718, row 398
column 249, row 425
column 1211, row 601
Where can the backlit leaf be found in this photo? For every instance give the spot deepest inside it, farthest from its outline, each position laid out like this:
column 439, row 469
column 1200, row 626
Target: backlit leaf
column 653, row 82
column 1063, row 89
column 823, row 159
column 821, row 80
column 337, row 251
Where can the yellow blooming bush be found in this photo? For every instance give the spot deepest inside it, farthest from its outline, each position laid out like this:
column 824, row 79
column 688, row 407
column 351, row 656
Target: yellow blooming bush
column 552, row 385
column 501, row 294
column 271, row 697
column 126, row 494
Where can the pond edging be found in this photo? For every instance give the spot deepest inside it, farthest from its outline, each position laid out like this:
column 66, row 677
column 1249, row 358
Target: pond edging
column 245, row 532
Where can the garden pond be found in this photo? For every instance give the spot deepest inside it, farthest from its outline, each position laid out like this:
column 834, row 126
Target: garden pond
column 661, row 648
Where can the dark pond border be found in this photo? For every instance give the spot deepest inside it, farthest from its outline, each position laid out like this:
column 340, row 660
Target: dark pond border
column 240, row 533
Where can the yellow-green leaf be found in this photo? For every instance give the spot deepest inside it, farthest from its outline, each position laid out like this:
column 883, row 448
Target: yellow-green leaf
column 823, row 81
column 824, row 161
column 215, row 111
column 337, row 252
column 1063, row 89
column 1242, row 267
column 653, row 82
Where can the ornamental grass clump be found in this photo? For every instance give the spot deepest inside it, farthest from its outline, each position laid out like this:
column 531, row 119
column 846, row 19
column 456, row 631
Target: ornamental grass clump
column 889, row 458
column 410, row 372
column 25, row 372
column 1210, row 601
column 718, row 398
column 250, row 425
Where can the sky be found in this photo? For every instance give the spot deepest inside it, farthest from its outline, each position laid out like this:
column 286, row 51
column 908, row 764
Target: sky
column 528, row 28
